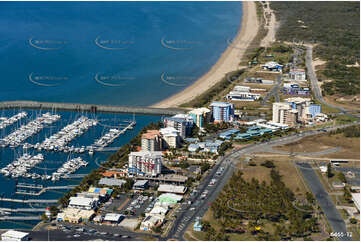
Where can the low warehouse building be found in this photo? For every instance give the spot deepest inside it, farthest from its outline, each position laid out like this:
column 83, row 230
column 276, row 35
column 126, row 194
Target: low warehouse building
column 172, row 188
column 111, row 182
column 113, row 218
column 83, row 203
column 141, row 185
column 13, row 235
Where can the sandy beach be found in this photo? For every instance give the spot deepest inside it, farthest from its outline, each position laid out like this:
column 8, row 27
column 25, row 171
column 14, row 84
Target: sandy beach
column 229, row 61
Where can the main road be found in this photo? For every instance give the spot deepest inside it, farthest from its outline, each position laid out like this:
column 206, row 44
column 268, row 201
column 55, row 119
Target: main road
column 333, row 216
column 314, row 82
column 187, row 213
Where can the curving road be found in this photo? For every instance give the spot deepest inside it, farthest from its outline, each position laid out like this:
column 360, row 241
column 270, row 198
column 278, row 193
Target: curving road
column 314, row 83
column 188, row 213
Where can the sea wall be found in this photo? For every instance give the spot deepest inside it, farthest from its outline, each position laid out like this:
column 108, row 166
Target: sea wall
column 88, row 107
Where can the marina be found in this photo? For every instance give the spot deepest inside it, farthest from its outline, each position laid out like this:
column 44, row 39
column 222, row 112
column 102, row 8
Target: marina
column 5, row 122
column 25, row 131
column 27, row 172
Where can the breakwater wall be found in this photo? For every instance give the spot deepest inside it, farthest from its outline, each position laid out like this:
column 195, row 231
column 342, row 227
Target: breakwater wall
column 89, row 108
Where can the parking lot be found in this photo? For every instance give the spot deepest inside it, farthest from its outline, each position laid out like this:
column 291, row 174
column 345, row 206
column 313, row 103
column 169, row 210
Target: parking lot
column 68, row 231
column 113, row 206
column 138, row 205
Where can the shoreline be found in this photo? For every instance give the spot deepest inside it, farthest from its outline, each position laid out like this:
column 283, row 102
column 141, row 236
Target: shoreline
column 229, row 60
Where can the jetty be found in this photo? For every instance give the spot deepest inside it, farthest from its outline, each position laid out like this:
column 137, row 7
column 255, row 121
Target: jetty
column 4, row 199
column 6, row 218
column 43, row 189
column 15, row 210
column 89, row 107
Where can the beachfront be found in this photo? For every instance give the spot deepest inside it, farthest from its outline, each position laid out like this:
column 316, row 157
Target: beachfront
column 229, row 61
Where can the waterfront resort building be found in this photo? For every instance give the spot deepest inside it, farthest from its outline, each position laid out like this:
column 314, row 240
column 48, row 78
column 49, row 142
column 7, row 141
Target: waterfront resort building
column 284, row 114
column 145, row 163
column 222, row 111
column 171, row 138
column 151, row 141
column 200, row 116
column 295, row 110
column 13, row 235
column 183, row 123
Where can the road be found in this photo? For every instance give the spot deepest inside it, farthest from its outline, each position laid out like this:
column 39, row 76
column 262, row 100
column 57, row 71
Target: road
column 273, row 91
column 186, row 214
column 314, row 83
column 333, row 216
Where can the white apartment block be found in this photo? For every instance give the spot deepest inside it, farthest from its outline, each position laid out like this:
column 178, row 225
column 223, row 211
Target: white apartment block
column 145, row 163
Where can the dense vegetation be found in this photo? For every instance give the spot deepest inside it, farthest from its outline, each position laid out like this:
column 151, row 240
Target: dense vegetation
column 335, row 27
column 349, row 132
column 252, row 206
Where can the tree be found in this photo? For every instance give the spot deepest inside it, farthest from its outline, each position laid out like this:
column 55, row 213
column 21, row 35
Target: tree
column 329, row 170
column 205, row 225
column 44, row 217
column 268, row 164
column 342, row 177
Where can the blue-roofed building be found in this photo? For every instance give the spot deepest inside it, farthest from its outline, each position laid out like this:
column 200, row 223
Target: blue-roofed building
column 222, row 111
column 197, row 226
column 227, row 134
column 243, row 136
column 314, row 109
column 207, row 146
column 193, row 147
column 191, row 140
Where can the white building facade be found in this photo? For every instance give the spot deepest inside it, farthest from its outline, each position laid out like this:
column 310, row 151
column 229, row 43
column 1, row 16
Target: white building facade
column 145, row 163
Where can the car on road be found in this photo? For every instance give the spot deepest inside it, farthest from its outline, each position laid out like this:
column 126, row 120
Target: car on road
column 76, row 235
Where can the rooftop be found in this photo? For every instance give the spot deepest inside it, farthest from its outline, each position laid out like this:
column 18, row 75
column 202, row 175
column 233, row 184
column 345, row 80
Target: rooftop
column 14, row 234
column 220, row 104
column 151, row 134
column 111, row 182
column 114, row 217
column 141, row 183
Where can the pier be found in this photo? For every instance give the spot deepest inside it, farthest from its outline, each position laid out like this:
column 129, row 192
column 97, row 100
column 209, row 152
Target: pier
column 6, row 218
column 43, row 189
column 26, row 185
column 4, row 199
column 89, row 107
column 15, row 210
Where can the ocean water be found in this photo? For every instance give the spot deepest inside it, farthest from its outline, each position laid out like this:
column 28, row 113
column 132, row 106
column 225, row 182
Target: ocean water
column 54, row 160
column 120, row 53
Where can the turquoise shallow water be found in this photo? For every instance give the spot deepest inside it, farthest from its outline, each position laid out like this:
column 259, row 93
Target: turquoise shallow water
column 110, row 52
